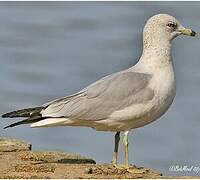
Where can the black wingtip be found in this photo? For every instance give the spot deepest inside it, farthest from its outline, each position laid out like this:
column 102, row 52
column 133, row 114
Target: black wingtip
column 12, row 114
column 8, row 115
column 7, row 127
column 4, row 116
column 23, row 113
column 26, row 121
column 13, row 125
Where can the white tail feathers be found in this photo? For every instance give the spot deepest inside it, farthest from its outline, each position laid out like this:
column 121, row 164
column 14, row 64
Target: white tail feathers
column 51, row 122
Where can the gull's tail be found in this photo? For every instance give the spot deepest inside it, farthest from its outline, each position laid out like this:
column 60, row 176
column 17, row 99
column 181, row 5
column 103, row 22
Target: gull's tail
column 33, row 115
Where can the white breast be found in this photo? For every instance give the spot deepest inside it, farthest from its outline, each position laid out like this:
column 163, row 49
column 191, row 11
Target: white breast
column 163, row 84
column 138, row 115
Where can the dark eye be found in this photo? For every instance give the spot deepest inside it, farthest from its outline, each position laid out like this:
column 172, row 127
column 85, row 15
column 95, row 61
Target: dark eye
column 172, row 25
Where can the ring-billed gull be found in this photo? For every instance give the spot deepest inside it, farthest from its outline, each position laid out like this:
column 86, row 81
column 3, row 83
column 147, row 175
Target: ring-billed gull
column 124, row 100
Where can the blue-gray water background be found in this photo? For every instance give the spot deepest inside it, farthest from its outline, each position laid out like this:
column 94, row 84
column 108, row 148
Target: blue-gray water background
column 52, row 49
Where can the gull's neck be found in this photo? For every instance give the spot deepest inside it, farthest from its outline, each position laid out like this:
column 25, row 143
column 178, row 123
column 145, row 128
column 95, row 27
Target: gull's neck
column 156, row 55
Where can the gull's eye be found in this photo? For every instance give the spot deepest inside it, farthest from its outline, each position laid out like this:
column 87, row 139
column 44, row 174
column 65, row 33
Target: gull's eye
column 172, row 25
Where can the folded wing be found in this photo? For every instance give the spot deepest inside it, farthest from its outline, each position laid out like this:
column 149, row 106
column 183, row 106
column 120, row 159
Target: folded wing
column 99, row 100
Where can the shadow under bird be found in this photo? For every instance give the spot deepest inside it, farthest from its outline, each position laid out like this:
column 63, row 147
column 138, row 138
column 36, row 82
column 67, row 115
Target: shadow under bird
column 124, row 100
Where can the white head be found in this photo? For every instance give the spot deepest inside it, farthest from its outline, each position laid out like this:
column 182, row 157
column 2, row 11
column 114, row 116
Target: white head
column 163, row 28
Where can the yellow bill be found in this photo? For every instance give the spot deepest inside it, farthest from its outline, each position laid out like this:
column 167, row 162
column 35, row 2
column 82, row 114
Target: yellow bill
column 188, row 32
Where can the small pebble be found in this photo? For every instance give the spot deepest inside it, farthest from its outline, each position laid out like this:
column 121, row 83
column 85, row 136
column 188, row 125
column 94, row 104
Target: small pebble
column 88, row 170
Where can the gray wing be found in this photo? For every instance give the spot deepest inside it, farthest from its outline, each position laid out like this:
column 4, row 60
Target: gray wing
column 99, row 100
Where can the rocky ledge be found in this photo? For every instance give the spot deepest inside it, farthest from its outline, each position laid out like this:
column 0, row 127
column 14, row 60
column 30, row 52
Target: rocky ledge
column 18, row 161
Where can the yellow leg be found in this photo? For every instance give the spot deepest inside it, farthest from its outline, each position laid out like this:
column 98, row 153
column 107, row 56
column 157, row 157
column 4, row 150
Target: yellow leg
column 125, row 145
column 126, row 161
column 115, row 156
column 125, row 148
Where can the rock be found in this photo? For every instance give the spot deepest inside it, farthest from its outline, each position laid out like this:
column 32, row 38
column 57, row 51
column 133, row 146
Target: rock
column 11, row 145
column 55, row 157
column 38, row 168
column 88, row 170
column 17, row 161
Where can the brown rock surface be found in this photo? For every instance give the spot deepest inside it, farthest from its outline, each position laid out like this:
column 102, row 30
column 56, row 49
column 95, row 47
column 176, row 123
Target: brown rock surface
column 10, row 144
column 17, row 161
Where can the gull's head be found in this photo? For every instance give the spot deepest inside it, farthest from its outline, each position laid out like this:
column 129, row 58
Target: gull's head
column 163, row 28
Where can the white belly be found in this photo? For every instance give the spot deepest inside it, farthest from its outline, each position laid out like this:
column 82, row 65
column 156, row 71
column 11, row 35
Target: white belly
column 135, row 116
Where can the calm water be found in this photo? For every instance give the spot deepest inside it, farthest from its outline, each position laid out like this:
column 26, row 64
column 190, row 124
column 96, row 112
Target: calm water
column 49, row 50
